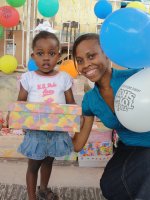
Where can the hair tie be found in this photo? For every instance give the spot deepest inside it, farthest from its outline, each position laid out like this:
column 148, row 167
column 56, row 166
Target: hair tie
column 45, row 26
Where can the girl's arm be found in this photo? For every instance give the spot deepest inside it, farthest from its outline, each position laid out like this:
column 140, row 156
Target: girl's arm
column 23, row 94
column 69, row 97
column 80, row 139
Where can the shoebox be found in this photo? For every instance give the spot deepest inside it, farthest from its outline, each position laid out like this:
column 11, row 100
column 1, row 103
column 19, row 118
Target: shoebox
column 10, row 139
column 93, row 161
column 41, row 116
column 72, row 157
column 95, row 154
column 9, row 145
column 100, row 139
column 98, row 149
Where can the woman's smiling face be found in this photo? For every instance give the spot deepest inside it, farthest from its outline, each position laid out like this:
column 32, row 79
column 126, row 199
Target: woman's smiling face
column 91, row 61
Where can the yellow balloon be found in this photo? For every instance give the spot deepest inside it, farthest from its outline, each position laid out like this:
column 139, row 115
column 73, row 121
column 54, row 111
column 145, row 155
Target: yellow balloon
column 8, row 64
column 138, row 5
column 69, row 67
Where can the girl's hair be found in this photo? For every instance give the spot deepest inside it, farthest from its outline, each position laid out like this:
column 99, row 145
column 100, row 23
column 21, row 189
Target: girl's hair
column 44, row 35
column 87, row 36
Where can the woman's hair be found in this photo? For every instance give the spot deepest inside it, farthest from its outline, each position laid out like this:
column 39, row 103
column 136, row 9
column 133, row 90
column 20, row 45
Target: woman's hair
column 87, row 36
column 44, row 35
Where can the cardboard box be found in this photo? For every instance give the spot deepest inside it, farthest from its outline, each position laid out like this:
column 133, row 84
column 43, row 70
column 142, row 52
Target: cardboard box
column 98, row 149
column 100, row 140
column 72, row 157
column 41, row 116
column 93, row 161
column 9, row 145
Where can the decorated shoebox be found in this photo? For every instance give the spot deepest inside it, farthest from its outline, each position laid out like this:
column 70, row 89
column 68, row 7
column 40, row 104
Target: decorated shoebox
column 100, row 139
column 95, row 154
column 72, row 157
column 10, row 139
column 9, row 145
column 94, row 161
column 41, row 116
column 98, row 149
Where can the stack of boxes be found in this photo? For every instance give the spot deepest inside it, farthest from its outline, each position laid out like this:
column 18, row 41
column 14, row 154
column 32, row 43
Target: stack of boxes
column 38, row 116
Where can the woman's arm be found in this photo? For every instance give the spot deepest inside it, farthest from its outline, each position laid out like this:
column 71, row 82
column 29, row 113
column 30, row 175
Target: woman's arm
column 80, row 139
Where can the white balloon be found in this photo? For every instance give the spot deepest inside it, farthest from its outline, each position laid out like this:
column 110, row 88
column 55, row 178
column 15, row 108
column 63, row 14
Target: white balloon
column 132, row 102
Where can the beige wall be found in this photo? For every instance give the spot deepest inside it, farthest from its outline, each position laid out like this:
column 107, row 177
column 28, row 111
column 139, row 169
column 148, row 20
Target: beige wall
column 81, row 11
column 69, row 10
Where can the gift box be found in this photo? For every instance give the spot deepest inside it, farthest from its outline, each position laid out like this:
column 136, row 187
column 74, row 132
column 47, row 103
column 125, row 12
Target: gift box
column 41, row 116
column 9, row 145
column 71, row 157
column 100, row 140
column 93, row 161
column 98, row 149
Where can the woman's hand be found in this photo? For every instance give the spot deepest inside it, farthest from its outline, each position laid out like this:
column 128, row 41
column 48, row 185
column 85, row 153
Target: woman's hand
column 80, row 139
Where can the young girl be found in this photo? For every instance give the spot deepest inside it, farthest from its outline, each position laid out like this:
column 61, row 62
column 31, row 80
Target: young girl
column 49, row 86
column 127, row 174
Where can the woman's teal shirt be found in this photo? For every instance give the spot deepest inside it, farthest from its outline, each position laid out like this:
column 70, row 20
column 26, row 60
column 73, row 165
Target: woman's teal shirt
column 94, row 105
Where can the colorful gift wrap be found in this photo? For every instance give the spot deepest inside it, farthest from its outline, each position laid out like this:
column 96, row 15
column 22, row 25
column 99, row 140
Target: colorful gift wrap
column 99, row 141
column 101, row 136
column 41, row 116
column 97, row 149
column 72, row 157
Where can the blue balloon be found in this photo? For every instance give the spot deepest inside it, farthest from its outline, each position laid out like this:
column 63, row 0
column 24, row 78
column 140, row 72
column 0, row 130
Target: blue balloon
column 48, row 8
column 125, row 38
column 102, row 9
column 32, row 65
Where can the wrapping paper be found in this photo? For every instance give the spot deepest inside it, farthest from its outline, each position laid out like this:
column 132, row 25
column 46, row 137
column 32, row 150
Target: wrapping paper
column 40, row 116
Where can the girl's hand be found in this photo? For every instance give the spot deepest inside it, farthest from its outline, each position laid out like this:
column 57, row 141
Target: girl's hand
column 7, row 120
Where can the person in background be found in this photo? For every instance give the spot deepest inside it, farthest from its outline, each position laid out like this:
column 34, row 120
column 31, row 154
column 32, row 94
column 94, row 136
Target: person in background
column 127, row 174
column 48, row 86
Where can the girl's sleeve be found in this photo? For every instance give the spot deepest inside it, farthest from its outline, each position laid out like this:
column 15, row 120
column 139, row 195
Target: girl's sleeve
column 86, row 111
column 68, row 82
column 25, row 81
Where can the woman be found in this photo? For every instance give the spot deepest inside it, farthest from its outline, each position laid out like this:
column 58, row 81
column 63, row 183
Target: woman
column 127, row 174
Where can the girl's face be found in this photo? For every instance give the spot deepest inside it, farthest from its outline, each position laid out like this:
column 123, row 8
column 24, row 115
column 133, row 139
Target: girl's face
column 91, row 61
column 46, row 55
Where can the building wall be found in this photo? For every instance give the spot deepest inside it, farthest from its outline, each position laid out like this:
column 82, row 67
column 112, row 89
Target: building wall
column 81, row 11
